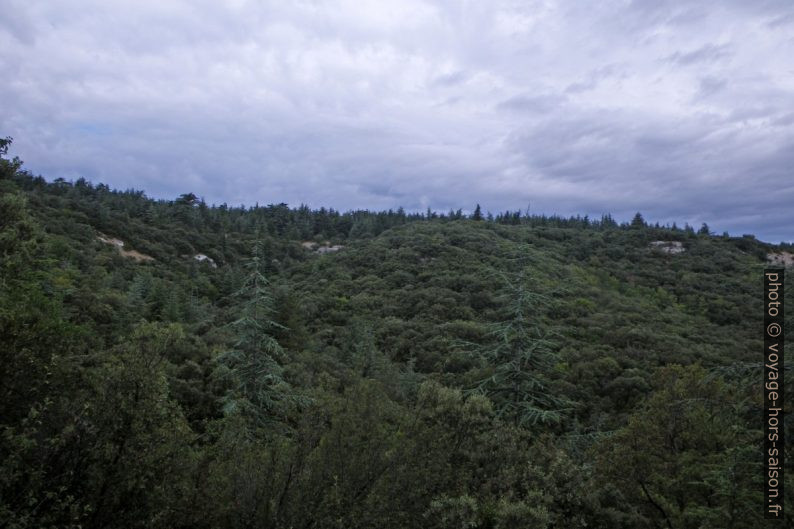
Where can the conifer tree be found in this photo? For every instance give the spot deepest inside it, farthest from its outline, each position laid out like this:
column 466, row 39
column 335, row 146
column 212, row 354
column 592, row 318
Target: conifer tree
column 254, row 365
column 523, row 357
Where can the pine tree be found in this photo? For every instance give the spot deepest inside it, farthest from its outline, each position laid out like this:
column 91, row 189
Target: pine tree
column 477, row 213
column 523, row 357
column 255, row 364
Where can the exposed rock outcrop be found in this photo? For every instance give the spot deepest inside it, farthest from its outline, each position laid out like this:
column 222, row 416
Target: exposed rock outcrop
column 202, row 258
column 321, row 248
column 785, row 259
column 329, row 249
column 670, row 247
column 119, row 244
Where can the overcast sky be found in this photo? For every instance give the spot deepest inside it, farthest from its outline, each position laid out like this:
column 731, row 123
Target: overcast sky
column 683, row 111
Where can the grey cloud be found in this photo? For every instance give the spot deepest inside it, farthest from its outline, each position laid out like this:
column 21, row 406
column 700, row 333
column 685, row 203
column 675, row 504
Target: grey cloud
column 782, row 20
column 784, row 120
column 707, row 53
column 695, row 171
column 17, row 22
column 415, row 104
column 451, row 79
column 593, row 78
column 532, row 103
column 710, row 85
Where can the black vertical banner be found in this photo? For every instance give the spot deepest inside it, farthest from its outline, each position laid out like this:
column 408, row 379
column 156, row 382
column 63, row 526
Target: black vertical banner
column 773, row 393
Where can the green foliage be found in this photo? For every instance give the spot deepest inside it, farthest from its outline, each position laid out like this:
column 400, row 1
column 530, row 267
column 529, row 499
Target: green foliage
column 254, row 365
column 686, row 459
column 457, row 512
column 521, row 358
column 283, row 387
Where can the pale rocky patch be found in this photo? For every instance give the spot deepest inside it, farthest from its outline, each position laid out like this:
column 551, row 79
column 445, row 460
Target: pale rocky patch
column 202, row 258
column 119, row 244
column 324, row 248
column 785, row 259
column 670, row 247
column 329, row 249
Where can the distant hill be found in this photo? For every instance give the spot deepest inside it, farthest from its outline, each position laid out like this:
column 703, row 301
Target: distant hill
column 174, row 364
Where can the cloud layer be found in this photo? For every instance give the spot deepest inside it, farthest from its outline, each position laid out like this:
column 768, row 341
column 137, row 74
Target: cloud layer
column 682, row 111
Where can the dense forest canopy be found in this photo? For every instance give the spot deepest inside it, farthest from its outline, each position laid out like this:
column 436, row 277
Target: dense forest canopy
column 174, row 364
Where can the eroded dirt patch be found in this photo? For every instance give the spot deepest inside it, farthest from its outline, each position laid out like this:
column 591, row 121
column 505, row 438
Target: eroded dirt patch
column 119, row 244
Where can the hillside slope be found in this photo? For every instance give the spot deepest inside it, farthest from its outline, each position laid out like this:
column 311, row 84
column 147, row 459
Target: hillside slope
column 435, row 371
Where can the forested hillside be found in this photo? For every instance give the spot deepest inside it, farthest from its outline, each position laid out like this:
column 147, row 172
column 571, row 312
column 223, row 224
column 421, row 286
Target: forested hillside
column 175, row 364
